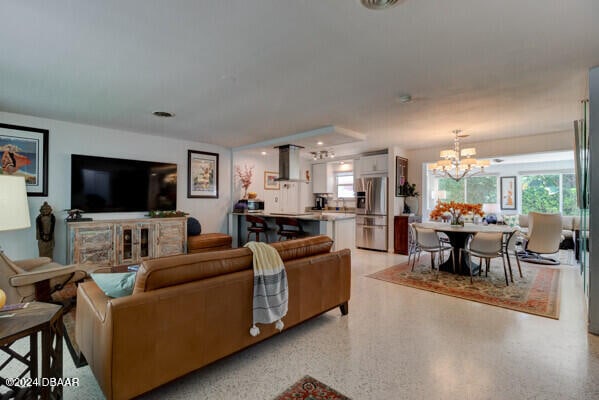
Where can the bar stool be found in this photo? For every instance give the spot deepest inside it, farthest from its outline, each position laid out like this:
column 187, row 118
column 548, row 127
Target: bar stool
column 258, row 225
column 287, row 233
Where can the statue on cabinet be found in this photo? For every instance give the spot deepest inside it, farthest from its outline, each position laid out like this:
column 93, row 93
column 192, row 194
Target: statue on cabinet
column 45, row 223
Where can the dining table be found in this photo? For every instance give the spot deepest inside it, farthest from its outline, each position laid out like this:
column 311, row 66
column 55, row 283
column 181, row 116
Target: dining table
column 458, row 236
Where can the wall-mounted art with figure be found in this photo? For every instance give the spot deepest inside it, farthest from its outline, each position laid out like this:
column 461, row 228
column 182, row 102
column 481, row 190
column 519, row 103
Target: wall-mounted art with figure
column 202, row 174
column 24, row 152
column 508, row 193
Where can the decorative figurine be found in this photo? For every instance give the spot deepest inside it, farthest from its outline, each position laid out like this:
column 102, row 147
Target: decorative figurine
column 45, row 223
column 74, row 214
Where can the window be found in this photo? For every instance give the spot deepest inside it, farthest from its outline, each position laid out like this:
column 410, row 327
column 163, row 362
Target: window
column 344, row 185
column 551, row 193
column 540, row 193
column 454, row 191
column 481, row 189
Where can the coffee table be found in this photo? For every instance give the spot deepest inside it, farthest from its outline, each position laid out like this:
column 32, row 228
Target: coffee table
column 36, row 317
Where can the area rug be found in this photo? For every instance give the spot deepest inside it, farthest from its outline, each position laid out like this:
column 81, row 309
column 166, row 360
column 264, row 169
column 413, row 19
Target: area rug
column 309, row 388
column 538, row 292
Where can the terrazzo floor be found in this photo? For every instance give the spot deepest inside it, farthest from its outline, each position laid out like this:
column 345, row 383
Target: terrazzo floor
column 403, row 343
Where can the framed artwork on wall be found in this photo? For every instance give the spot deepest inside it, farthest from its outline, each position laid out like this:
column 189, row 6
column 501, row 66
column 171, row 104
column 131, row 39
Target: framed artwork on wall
column 508, row 193
column 202, row 174
column 24, row 152
column 401, row 176
column 269, row 180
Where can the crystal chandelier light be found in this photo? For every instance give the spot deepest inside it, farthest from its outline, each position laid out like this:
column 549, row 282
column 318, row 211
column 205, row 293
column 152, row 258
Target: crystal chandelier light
column 458, row 163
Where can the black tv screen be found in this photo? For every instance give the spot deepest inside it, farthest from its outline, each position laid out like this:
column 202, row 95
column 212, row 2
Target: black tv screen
column 100, row 184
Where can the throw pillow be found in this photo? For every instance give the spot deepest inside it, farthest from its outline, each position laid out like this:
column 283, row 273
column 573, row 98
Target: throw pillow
column 115, row 285
column 193, row 227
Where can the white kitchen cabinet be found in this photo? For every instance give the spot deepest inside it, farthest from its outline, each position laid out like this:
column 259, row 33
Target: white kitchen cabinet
column 323, row 179
column 345, row 234
column 290, row 196
column 373, row 165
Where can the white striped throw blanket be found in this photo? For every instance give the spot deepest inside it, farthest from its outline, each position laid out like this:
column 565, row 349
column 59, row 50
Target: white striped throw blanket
column 270, row 286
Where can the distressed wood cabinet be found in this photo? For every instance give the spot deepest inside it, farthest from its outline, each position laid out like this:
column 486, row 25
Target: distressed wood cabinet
column 125, row 242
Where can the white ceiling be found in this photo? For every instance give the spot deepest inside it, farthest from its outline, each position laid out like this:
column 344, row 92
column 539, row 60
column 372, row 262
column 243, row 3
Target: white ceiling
column 236, row 72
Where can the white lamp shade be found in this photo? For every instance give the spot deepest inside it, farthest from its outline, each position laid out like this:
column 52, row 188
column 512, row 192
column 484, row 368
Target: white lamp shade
column 490, row 208
column 470, row 151
column 14, row 208
column 447, row 154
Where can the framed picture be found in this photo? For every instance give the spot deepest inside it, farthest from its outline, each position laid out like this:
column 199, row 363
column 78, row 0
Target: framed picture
column 401, row 175
column 269, row 180
column 508, row 193
column 24, row 152
column 202, row 174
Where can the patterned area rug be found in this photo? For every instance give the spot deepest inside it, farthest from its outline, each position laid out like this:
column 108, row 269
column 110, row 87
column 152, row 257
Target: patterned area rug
column 309, row 388
column 536, row 293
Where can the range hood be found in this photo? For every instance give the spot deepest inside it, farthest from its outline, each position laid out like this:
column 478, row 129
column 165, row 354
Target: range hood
column 289, row 163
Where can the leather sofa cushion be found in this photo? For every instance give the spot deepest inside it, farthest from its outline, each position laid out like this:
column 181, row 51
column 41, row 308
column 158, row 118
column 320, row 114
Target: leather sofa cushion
column 169, row 271
column 207, row 241
column 304, row 247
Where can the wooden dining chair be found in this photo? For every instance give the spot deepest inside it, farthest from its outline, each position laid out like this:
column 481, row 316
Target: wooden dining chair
column 485, row 245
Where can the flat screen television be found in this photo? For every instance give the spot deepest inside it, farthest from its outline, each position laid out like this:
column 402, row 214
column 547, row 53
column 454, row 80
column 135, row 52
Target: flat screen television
column 100, row 184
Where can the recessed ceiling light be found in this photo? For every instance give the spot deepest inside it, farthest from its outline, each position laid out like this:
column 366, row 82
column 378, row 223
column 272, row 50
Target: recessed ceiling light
column 263, row 153
column 380, row 4
column 320, row 143
column 163, row 114
column 405, row 98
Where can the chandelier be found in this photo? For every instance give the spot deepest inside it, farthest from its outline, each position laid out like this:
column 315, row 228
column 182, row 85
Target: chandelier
column 458, row 163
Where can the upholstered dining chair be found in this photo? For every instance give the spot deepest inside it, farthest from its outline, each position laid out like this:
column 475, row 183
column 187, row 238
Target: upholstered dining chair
column 485, row 246
column 35, row 279
column 544, row 237
column 428, row 240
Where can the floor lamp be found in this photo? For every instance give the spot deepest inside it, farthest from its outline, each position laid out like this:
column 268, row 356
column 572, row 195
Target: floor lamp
column 14, row 208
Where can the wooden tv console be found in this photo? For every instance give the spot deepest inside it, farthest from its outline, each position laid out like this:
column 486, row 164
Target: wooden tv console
column 125, row 241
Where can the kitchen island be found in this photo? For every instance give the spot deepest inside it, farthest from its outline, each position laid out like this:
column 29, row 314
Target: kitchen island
column 338, row 226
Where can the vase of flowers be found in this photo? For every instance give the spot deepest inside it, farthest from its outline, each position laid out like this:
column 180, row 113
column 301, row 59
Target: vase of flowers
column 455, row 210
column 245, row 176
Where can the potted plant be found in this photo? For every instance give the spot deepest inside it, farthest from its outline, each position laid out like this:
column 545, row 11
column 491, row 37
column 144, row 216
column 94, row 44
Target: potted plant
column 410, row 198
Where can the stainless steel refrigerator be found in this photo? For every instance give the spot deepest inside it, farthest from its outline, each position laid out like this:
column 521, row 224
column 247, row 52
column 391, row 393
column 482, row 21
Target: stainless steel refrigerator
column 371, row 213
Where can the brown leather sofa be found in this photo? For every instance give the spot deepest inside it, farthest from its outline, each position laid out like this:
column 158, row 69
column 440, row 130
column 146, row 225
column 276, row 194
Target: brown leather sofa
column 188, row 311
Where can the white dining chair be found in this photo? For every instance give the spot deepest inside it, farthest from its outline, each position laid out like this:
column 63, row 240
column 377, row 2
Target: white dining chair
column 428, row 240
column 512, row 242
column 485, row 246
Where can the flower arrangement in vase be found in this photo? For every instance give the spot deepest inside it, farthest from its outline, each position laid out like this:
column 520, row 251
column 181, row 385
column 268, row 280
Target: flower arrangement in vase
column 245, row 178
column 456, row 210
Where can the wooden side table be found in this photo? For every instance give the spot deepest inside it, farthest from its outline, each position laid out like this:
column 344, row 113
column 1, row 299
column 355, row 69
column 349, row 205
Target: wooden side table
column 36, row 317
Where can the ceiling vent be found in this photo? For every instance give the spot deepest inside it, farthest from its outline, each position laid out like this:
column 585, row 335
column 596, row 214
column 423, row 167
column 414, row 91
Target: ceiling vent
column 380, row 4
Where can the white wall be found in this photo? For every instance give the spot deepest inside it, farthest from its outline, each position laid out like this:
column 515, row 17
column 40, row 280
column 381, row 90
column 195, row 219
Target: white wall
column 490, row 149
column 68, row 138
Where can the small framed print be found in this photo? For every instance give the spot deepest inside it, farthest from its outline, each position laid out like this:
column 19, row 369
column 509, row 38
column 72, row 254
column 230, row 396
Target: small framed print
column 202, row 174
column 24, row 152
column 269, row 180
column 508, row 193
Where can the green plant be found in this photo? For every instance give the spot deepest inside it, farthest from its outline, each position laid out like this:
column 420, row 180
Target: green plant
column 166, row 214
column 409, row 190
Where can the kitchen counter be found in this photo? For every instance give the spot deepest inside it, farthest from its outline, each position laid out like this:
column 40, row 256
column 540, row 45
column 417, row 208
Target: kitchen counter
column 312, row 216
column 339, row 226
